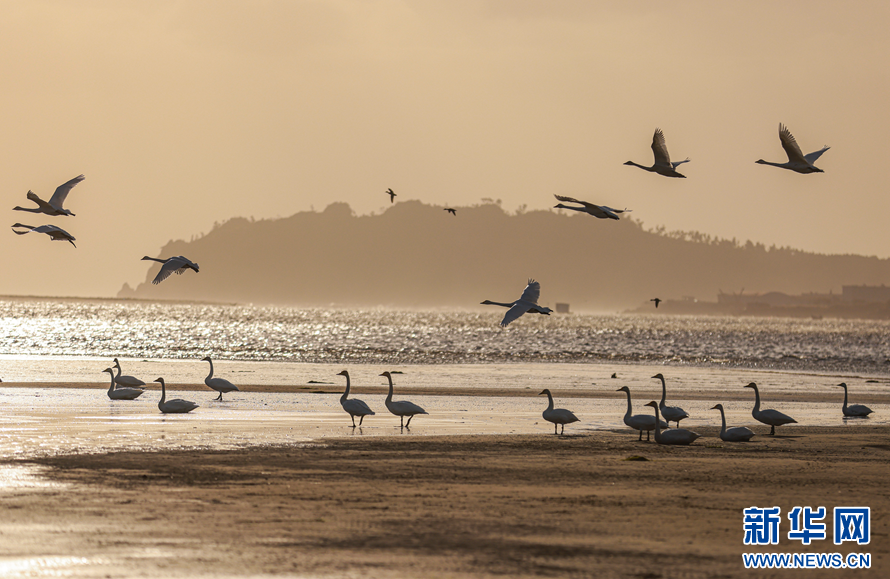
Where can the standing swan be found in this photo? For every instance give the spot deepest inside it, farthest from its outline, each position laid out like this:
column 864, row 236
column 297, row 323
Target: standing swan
column 598, row 211
column 674, row 435
column 663, row 165
column 557, row 415
column 175, row 406
column 639, row 422
column 527, row 303
column 854, row 410
column 121, row 393
column 737, row 434
column 797, row 161
column 772, row 417
column 670, row 413
column 176, row 264
column 219, row 384
column 126, row 381
column 54, row 206
column 354, row 407
column 401, row 408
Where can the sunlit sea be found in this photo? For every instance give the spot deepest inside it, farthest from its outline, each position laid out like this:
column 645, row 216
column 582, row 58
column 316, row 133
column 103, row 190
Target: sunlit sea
column 145, row 330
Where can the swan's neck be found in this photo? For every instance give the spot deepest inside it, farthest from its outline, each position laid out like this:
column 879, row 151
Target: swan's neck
column 756, row 400
column 209, row 376
column 491, row 303
column 549, row 401
column 118, row 367
column 650, row 169
column 762, row 162
column 389, row 396
column 663, row 393
column 27, row 209
column 345, row 392
column 629, row 408
column 845, row 397
column 657, row 426
column 163, row 393
column 723, row 421
column 111, row 388
column 561, row 206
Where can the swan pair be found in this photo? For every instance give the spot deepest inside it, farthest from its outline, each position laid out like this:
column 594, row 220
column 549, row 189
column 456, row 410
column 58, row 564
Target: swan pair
column 355, row 407
column 527, row 303
column 122, row 393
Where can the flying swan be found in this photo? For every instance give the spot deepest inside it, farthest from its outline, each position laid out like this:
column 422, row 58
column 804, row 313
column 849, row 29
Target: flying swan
column 598, row 211
column 176, row 264
column 663, row 165
column 55, row 233
column 54, row 207
column 401, row 408
column 528, row 302
column 354, row 407
column 797, row 161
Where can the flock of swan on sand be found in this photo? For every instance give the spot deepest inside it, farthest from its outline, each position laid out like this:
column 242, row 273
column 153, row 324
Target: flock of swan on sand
column 681, row 436
column 129, row 388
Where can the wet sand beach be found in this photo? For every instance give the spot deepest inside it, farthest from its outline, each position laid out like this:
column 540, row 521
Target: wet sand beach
column 272, row 481
column 599, row 504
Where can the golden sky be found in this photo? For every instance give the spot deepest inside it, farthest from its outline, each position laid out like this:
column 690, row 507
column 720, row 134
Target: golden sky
column 184, row 113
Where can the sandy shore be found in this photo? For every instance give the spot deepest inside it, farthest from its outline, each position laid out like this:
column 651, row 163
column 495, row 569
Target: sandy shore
column 450, row 506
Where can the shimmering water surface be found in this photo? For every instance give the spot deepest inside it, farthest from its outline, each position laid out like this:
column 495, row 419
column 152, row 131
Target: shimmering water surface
column 107, row 329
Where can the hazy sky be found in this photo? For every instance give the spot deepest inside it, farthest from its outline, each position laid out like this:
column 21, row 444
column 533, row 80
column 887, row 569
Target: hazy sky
column 185, row 113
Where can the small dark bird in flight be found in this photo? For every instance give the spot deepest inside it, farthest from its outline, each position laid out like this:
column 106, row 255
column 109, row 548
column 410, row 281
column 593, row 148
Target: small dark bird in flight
column 392, row 196
column 452, row 211
column 657, row 301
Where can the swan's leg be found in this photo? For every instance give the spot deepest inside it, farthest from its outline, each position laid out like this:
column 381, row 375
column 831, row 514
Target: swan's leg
column 773, row 430
column 220, row 396
column 648, row 432
column 563, row 431
column 641, row 435
column 409, row 421
column 353, row 419
column 360, row 420
column 402, row 421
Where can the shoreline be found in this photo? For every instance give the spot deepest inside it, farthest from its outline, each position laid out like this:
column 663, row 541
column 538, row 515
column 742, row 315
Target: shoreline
column 801, row 395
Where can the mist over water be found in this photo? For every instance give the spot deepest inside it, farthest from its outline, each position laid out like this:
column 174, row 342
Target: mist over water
column 241, row 332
